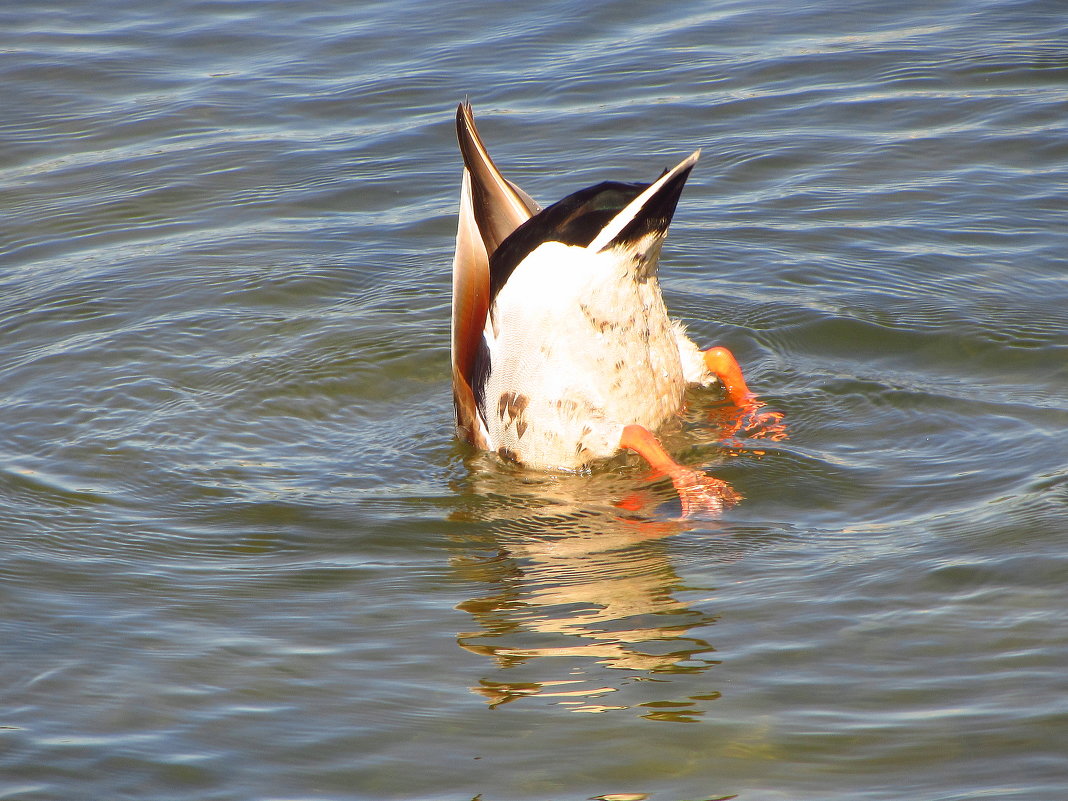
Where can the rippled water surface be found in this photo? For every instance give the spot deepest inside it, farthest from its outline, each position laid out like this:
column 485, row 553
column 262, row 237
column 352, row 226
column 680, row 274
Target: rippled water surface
column 241, row 554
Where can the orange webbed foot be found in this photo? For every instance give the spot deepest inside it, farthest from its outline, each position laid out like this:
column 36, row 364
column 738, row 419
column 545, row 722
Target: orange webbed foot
column 722, row 364
column 702, row 494
column 752, row 421
column 764, row 425
column 698, row 492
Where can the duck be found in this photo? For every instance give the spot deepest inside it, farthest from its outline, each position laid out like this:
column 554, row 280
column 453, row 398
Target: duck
column 563, row 351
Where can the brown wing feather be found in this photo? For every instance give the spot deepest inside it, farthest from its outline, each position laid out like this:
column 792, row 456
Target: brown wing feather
column 490, row 209
column 499, row 207
column 470, row 305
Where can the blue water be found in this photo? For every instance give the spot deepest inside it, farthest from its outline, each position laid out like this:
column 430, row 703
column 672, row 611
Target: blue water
column 242, row 555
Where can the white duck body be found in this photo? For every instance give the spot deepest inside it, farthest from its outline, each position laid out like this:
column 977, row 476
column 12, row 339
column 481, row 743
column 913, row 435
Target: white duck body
column 577, row 342
column 580, row 345
column 563, row 351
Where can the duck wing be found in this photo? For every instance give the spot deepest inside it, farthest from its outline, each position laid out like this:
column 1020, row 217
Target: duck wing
column 491, row 208
column 498, row 205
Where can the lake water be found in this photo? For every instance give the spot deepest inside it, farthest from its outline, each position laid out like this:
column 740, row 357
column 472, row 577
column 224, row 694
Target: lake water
column 242, row 555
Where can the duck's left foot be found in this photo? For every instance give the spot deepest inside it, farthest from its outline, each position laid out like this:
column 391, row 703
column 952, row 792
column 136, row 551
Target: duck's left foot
column 699, row 493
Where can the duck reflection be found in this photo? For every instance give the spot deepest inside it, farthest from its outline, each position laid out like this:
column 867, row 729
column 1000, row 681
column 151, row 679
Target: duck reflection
column 578, row 588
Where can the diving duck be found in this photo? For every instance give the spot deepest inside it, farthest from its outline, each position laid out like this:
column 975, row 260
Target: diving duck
column 562, row 349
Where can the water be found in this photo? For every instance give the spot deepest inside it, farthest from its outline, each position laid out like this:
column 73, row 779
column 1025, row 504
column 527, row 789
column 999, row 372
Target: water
column 241, row 554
